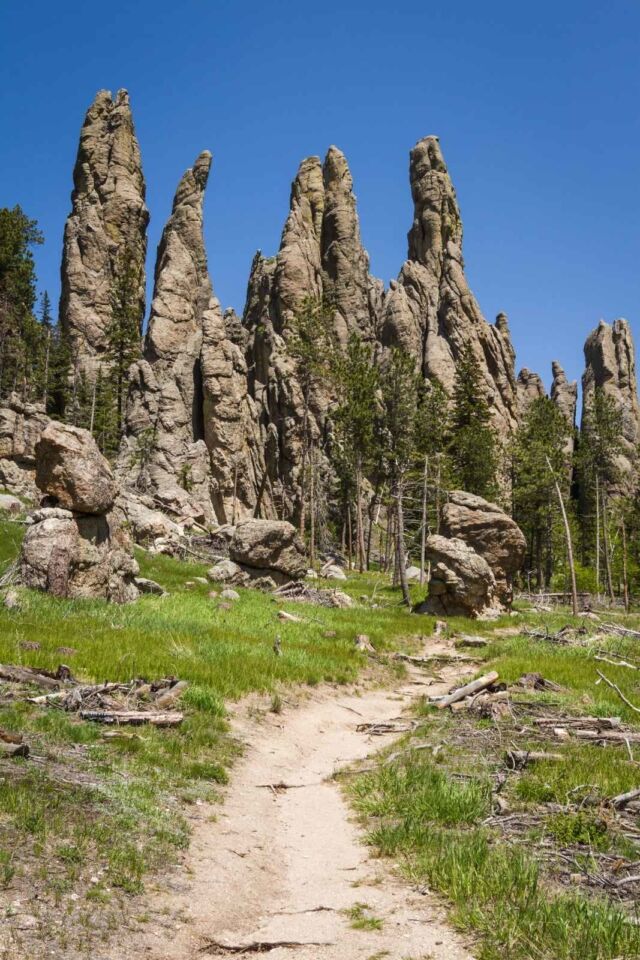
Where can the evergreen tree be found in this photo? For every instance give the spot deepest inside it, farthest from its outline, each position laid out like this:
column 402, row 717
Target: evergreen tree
column 354, row 421
column 540, row 439
column 123, row 335
column 19, row 342
column 312, row 346
column 400, row 386
column 598, row 475
column 473, row 443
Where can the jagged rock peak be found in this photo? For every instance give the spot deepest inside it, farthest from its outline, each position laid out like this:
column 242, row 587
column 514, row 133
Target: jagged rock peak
column 189, row 394
column 105, row 232
column 166, row 391
column 181, row 269
column 430, row 311
column 611, row 367
column 530, row 387
column 345, row 262
column 436, row 219
column 564, row 393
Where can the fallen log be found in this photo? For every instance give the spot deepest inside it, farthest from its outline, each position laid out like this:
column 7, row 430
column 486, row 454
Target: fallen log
column 607, row 736
column 468, row 690
column 599, row 723
column 133, row 717
column 621, row 801
column 16, row 674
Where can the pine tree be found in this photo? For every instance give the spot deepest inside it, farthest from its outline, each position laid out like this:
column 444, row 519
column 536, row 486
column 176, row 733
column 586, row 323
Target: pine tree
column 540, row 439
column 124, row 332
column 400, row 387
column 473, row 443
column 354, row 420
column 18, row 326
column 598, row 474
column 312, row 346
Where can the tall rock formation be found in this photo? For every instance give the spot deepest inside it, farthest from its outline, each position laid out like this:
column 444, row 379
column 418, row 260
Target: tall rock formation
column 320, row 257
column 565, row 396
column 189, row 419
column 105, row 237
column 611, row 367
column 529, row 387
column 430, row 310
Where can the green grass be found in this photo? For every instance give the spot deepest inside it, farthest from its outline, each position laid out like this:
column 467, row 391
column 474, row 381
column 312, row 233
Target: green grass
column 362, row 919
column 115, row 810
column 495, row 890
column 428, row 813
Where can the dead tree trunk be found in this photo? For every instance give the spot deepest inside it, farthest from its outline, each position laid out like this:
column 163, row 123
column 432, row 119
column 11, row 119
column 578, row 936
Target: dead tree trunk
column 400, row 553
column 567, row 533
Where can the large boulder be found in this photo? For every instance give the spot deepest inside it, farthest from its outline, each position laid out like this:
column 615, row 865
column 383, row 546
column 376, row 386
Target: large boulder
column 491, row 533
column 78, row 556
column 461, row 584
column 71, row 470
column 269, row 545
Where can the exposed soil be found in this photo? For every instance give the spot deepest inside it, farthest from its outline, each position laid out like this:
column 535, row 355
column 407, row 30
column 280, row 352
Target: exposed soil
column 277, row 868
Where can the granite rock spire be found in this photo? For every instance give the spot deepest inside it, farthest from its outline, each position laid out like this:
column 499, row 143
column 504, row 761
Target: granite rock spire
column 106, row 231
column 430, row 310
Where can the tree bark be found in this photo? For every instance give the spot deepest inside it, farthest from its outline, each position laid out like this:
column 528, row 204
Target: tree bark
column 402, row 562
column 625, row 581
column 607, row 555
column 423, row 531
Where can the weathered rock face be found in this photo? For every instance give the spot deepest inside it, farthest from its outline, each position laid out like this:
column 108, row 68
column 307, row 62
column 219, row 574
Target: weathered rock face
column 461, row 584
column 430, row 310
column 271, row 547
column 231, row 429
column 105, row 234
column 320, row 256
column 72, row 471
column 21, row 426
column 81, row 551
column 491, row 533
column 529, row 387
column 190, row 422
column 565, row 396
column 611, row 367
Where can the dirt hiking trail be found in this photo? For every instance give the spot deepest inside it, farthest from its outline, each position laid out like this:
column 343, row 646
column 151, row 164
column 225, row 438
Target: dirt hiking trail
column 276, row 870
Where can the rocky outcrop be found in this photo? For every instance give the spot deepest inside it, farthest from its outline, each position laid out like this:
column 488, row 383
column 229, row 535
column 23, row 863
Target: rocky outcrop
column 565, row 396
column 529, row 387
column 105, row 238
column 71, row 472
column 321, row 258
column 78, row 549
column 489, row 531
column 21, row 426
column 461, row 582
column 269, row 548
column 190, row 426
column 610, row 366
column 430, row 310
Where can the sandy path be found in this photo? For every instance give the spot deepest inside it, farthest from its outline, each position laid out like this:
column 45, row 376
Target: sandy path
column 283, row 865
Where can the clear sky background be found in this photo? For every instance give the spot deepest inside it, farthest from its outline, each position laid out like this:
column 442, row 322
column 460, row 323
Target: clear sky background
column 537, row 106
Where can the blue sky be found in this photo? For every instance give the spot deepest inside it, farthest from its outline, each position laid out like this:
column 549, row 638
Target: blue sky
column 536, row 106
